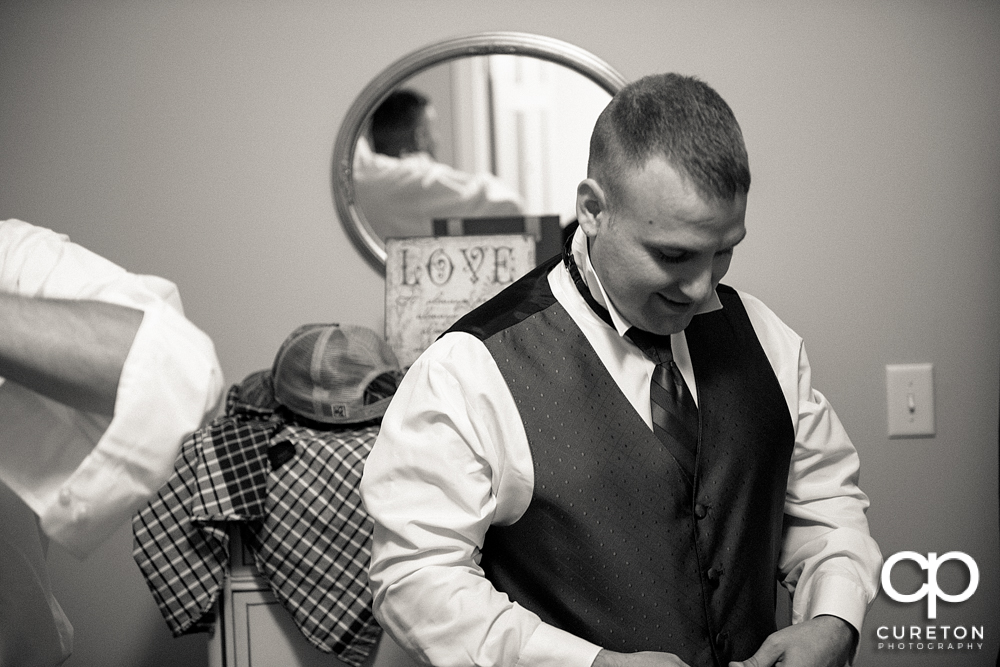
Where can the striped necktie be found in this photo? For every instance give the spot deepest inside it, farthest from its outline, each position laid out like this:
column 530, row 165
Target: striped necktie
column 675, row 415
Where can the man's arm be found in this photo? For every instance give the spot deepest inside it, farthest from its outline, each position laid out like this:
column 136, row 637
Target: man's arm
column 135, row 374
column 828, row 559
column 398, row 194
column 451, row 460
column 70, row 351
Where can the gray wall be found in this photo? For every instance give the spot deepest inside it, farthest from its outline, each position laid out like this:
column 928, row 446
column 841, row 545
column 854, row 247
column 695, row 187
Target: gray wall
column 193, row 140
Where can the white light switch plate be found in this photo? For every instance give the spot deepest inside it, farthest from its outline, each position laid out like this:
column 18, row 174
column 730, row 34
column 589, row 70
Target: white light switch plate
column 910, row 399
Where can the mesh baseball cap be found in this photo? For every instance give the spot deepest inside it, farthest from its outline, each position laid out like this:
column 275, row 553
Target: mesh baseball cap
column 323, row 371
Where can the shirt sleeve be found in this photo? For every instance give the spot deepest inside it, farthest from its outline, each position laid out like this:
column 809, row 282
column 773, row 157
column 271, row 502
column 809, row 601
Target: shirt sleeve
column 452, row 459
column 83, row 474
column 405, row 194
column 829, row 560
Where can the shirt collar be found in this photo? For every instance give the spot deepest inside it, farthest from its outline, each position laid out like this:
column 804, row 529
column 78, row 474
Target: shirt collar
column 581, row 255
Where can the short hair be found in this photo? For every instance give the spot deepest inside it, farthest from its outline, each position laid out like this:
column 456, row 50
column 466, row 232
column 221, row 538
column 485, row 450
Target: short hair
column 395, row 121
column 680, row 118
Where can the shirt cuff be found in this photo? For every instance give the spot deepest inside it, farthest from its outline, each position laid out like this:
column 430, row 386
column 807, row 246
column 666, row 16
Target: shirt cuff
column 170, row 383
column 572, row 651
column 833, row 595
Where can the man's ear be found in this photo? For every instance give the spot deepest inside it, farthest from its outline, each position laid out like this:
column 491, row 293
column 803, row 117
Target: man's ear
column 591, row 206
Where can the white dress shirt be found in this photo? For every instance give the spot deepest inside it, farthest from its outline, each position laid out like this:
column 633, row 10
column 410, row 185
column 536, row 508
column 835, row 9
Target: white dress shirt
column 83, row 474
column 402, row 196
column 452, row 458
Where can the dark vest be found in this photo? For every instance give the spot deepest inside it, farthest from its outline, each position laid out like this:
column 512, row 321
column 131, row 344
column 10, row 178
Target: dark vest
column 616, row 546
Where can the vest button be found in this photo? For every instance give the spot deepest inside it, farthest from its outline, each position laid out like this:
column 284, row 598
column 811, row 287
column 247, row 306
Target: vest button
column 700, row 511
column 714, row 573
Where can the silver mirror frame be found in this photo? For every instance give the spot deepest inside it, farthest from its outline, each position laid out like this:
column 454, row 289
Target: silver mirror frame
column 480, row 44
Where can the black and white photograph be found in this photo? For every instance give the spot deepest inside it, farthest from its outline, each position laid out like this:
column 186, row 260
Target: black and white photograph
column 522, row 333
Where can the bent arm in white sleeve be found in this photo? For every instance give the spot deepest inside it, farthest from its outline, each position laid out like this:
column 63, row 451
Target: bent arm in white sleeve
column 402, row 196
column 452, row 459
column 449, row 192
column 829, row 560
column 82, row 474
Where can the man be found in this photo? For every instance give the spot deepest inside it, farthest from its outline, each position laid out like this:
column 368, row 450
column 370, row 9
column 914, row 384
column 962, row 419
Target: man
column 402, row 188
column 554, row 484
column 101, row 376
column 403, row 125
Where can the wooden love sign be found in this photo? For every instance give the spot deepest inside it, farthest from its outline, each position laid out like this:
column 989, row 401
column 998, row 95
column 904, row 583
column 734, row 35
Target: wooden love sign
column 432, row 281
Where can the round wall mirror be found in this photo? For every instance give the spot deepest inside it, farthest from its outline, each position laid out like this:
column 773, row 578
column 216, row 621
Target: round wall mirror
column 489, row 125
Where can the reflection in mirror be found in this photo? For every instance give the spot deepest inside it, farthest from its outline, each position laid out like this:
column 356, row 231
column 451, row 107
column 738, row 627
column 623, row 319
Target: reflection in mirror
column 483, row 136
column 507, row 115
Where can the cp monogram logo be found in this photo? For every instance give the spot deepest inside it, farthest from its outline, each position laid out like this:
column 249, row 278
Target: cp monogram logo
column 930, row 590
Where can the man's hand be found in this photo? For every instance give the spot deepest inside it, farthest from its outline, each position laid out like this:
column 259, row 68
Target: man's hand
column 642, row 659
column 825, row 641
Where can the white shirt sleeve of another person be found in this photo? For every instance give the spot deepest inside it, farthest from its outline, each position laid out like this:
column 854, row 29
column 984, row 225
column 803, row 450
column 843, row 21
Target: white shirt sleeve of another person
column 829, row 560
column 452, row 459
column 83, row 474
column 402, row 196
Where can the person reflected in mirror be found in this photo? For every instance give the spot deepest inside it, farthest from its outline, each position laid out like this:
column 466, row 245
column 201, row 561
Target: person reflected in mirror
column 612, row 461
column 405, row 124
column 101, row 377
column 401, row 187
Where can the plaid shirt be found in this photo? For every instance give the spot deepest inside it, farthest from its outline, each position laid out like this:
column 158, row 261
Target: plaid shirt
column 296, row 490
